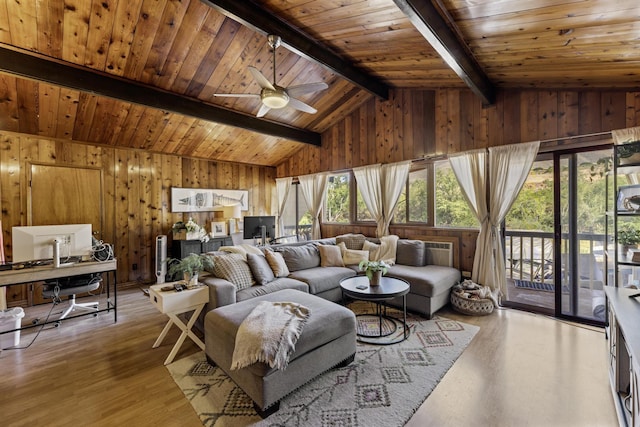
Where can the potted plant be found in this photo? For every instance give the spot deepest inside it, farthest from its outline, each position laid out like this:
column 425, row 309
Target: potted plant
column 374, row 270
column 189, row 267
column 189, row 231
column 628, row 237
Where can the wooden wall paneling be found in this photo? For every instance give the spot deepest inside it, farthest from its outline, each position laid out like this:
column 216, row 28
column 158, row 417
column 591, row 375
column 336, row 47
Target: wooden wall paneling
column 632, row 113
column 547, row 115
column 124, row 29
column 147, row 211
column 467, row 121
column 397, row 126
column 590, row 113
column 5, row 36
column 108, row 158
column 9, row 109
column 353, row 131
column 383, row 130
column 528, row 116
column 121, row 218
column 336, row 152
column 145, row 30
column 27, row 96
column 48, row 100
column 511, row 128
column 568, row 114
column 171, row 177
column 170, row 25
column 129, row 125
column 67, row 107
column 454, row 143
column 76, row 30
column 613, row 106
column 107, row 120
column 134, row 217
column 495, row 121
column 50, row 31
column 409, row 145
column 85, row 117
column 23, row 23
column 347, row 136
column 422, row 140
column 99, row 33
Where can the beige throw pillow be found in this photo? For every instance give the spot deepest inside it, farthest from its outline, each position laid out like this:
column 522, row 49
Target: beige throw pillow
column 353, row 257
column 277, row 264
column 330, row 256
column 385, row 251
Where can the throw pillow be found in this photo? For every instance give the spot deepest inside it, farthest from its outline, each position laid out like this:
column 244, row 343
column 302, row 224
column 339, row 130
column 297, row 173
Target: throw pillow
column 353, row 257
column 300, row 257
column 250, row 249
column 410, row 252
column 352, row 241
column 330, row 256
column 260, row 268
column 385, row 251
column 277, row 264
column 234, row 250
column 233, row 268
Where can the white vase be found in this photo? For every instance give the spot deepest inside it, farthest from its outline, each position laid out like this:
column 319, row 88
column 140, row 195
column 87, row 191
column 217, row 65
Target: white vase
column 190, row 278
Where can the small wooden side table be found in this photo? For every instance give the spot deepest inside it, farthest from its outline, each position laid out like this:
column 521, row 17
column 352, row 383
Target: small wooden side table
column 172, row 304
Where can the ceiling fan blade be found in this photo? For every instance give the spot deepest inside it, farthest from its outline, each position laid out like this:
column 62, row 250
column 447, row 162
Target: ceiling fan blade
column 238, row 95
column 260, row 78
column 263, row 110
column 306, row 88
column 301, row 106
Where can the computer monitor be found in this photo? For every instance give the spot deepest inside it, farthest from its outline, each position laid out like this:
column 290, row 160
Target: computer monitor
column 36, row 242
column 253, row 226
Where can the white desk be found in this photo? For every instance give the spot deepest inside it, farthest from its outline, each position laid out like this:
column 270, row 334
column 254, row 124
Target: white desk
column 172, row 304
column 47, row 272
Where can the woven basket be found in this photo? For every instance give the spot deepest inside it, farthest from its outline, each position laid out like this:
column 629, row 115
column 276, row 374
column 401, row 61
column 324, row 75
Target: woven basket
column 473, row 307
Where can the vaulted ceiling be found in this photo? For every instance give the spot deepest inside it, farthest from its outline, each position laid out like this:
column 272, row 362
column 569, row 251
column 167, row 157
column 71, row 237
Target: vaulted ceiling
column 143, row 73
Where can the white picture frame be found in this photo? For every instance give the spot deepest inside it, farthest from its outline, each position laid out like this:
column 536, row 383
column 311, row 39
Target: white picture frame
column 219, row 228
column 205, row 200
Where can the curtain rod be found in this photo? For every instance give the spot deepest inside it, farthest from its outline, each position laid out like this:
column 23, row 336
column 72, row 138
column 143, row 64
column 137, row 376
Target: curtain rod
column 565, row 138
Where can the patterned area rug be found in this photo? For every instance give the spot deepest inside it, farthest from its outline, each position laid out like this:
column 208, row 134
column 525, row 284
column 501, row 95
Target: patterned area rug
column 384, row 386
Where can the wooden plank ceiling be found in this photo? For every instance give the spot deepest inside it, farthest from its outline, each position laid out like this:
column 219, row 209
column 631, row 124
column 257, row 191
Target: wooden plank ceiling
column 189, row 49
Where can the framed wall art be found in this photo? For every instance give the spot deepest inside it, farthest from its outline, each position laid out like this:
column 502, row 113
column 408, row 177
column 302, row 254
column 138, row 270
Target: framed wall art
column 219, row 228
column 203, row 200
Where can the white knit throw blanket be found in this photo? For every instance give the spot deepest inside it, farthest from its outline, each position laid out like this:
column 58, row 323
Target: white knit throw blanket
column 269, row 334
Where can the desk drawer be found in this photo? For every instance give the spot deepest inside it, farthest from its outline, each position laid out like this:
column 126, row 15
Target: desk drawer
column 172, row 301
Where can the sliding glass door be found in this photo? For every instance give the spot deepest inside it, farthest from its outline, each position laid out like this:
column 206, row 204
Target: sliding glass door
column 554, row 236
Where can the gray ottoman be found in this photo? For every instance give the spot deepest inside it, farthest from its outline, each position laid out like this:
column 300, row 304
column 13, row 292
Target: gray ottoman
column 328, row 340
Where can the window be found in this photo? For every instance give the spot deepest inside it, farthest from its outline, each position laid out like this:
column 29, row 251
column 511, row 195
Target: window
column 452, row 209
column 337, row 203
column 362, row 211
column 297, row 216
column 417, row 200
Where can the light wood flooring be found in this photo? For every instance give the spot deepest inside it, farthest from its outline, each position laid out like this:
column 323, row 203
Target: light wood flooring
column 520, row 370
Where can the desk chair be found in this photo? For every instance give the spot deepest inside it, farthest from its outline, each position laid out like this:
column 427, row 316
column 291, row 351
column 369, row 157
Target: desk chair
column 70, row 286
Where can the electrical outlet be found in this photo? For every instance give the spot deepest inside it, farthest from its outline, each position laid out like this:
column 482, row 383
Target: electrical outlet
column 134, row 267
column 466, row 274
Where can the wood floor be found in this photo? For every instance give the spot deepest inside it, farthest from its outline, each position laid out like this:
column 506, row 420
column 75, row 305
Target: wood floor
column 520, row 370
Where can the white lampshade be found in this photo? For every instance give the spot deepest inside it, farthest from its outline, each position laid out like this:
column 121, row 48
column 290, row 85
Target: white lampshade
column 233, row 211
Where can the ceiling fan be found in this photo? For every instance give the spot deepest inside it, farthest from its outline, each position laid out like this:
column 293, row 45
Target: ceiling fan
column 274, row 96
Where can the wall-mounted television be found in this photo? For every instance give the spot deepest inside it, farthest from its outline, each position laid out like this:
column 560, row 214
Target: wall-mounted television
column 36, row 242
column 253, row 226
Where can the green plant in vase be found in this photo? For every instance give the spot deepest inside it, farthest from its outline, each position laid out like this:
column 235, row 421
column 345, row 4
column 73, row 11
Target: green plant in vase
column 189, row 267
column 374, row 270
column 628, row 237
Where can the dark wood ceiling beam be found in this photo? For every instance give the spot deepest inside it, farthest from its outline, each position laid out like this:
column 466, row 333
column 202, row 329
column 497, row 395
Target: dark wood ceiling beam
column 264, row 22
column 426, row 18
column 44, row 69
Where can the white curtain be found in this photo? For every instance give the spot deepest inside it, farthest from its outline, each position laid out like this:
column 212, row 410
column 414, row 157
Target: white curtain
column 370, row 186
column 394, row 180
column 314, row 189
column 508, row 168
column 624, row 136
column 470, row 169
column 282, row 192
column 381, row 186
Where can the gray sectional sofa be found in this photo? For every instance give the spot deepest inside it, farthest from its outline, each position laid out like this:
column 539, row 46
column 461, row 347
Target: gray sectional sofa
column 430, row 283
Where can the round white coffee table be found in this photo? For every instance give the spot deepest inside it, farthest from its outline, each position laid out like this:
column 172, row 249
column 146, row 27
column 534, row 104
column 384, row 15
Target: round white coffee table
column 358, row 288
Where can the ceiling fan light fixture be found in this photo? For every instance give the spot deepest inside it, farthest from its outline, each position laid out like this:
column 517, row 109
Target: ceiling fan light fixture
column 274, row 98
